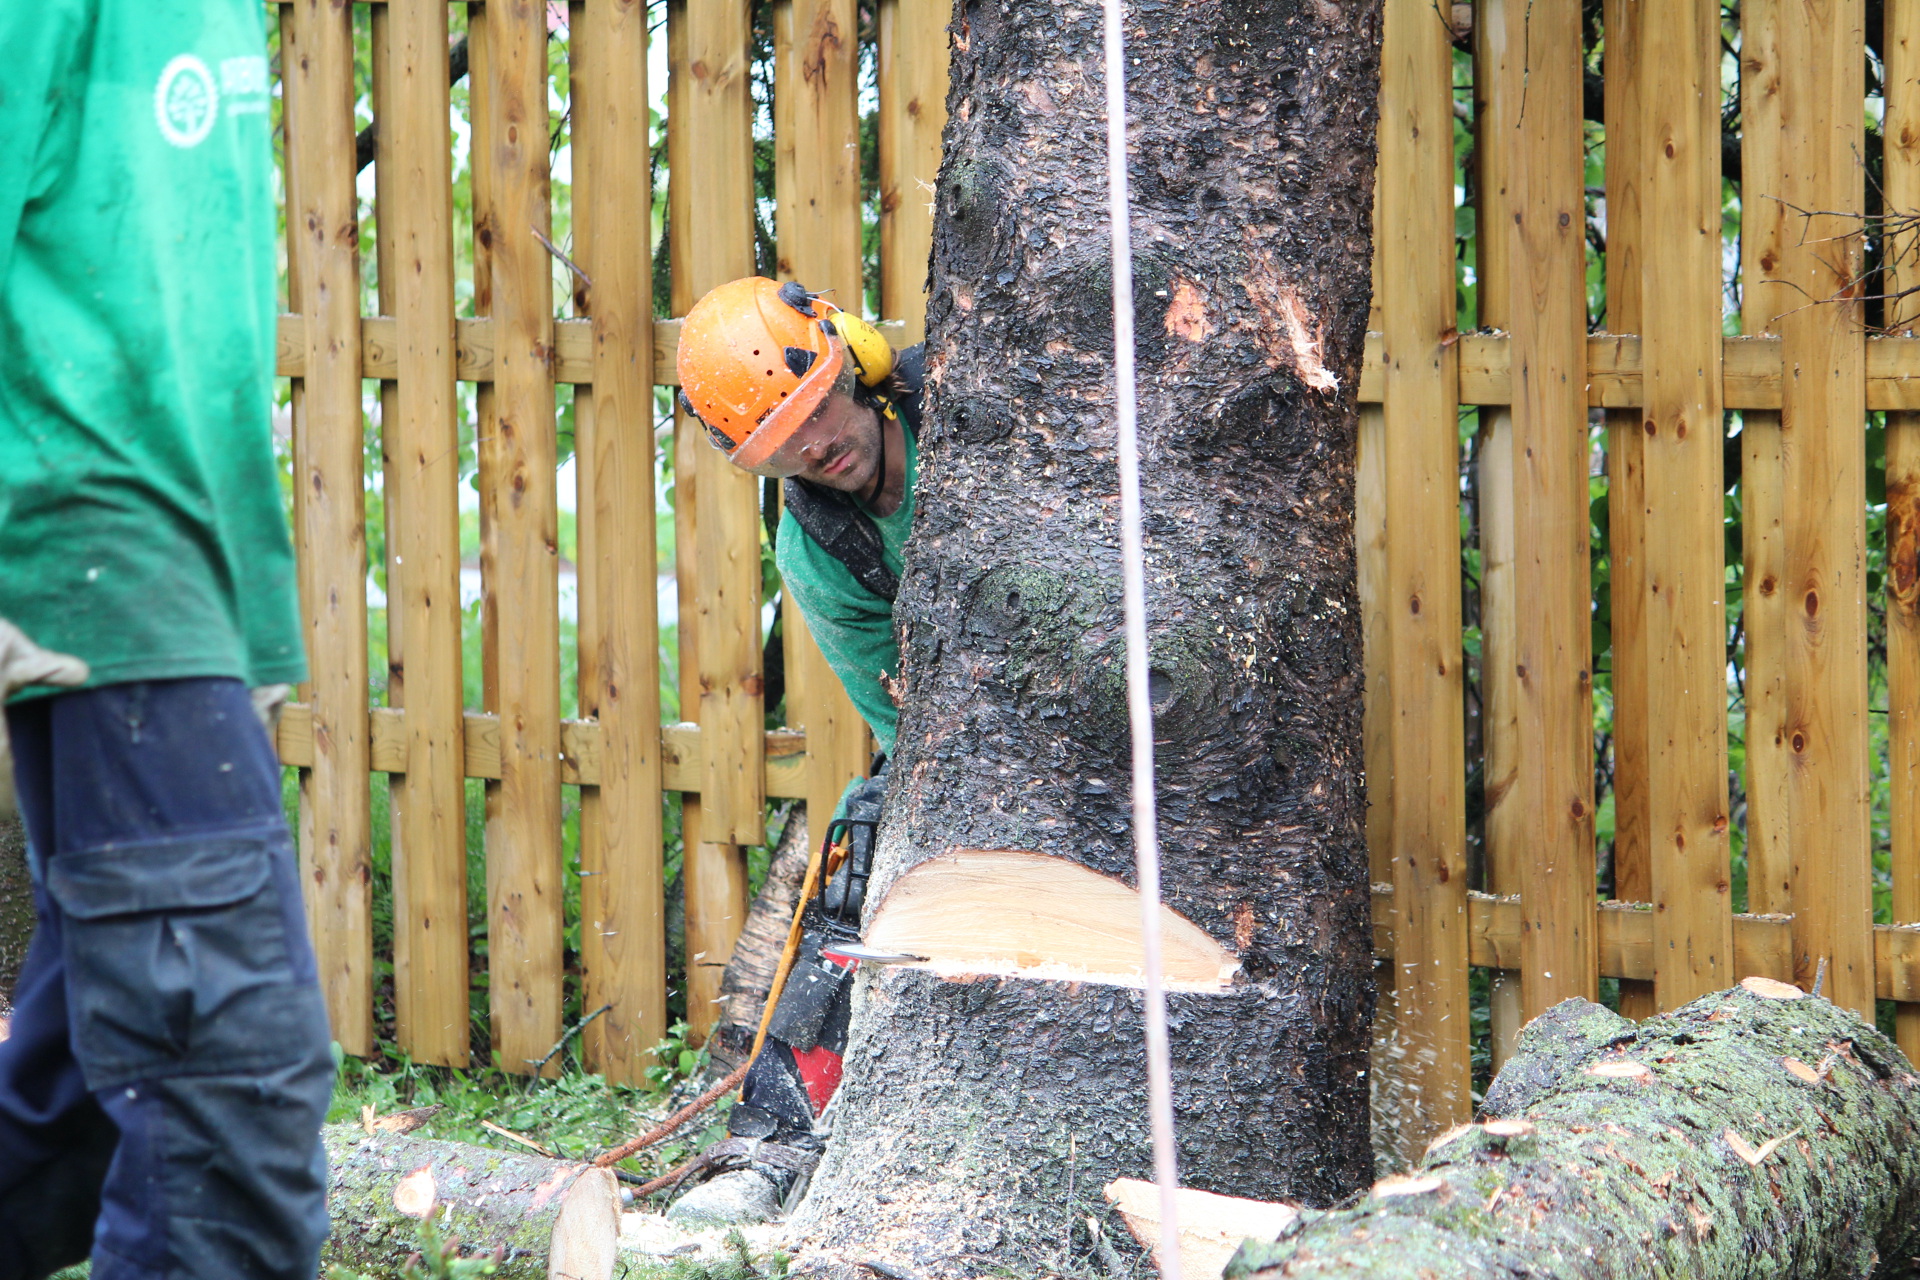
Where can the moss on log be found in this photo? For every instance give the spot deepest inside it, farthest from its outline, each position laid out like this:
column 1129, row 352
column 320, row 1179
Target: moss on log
column 1756, row 1132
column 545, row 1218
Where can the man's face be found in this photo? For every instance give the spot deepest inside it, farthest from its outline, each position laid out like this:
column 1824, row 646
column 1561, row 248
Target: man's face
column 841, row 445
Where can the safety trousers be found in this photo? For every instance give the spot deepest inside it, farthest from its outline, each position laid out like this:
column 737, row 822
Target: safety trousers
column 168, row 1071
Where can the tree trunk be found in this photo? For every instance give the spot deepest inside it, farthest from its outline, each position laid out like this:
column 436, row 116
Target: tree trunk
column 546, row 1218
column 1753, row 1133
column 16, row 897
column 756, row 955
column 992, row 1091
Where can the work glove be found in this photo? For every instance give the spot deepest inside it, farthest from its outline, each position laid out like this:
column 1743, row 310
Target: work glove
column 269, row 700
column 24, row 663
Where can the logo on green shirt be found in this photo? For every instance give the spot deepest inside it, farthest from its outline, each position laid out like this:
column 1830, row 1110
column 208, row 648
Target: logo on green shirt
column 185, row 102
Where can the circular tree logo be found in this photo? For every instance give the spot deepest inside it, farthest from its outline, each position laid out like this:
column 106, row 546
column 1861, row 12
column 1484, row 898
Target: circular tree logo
column 185, row 101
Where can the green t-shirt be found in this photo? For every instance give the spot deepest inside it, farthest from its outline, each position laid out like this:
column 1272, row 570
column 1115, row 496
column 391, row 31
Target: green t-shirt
column 141, row 520
column 852, row 625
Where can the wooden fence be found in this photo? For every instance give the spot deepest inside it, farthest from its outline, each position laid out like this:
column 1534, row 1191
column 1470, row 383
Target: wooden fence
column 1802, row 376
column 614, row 353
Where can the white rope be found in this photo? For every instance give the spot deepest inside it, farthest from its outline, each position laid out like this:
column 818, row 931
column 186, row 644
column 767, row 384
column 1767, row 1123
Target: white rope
column 1146, row 836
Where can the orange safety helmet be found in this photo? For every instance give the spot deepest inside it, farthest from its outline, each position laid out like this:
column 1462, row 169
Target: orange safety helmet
column 756, row 359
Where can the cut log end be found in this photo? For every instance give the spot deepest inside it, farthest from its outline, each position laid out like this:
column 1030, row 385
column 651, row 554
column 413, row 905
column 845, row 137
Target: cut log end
column 1768, row 989
column 1015, row 913
column 1211, row 1226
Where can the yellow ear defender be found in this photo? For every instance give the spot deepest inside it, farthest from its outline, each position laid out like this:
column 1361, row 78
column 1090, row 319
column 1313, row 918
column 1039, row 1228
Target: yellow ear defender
column 872, row 353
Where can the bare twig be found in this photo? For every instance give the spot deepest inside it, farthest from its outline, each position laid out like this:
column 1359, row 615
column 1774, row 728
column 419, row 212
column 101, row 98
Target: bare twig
column 561, row 1043
column 565, row 261
column 665, row 1129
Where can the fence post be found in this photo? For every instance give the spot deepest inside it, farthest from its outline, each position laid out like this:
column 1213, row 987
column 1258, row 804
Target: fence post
column 622, row 896
column 1684, row 604
column 323, row 282
column 1626, row 480
column 1497, row 84
column 1423, row 562
column 1552, row 646
column 817, row 190
column 912, row 59
column 717, row 506
column 1902, row 131
column 1802, row 112
column 421, row 475
column 519, row 537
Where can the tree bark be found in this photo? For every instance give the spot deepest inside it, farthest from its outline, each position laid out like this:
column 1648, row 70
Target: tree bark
column 16, row 896
column 547, row 1218
column 1753, row 1133
column 981, row 1114
column 756, row 955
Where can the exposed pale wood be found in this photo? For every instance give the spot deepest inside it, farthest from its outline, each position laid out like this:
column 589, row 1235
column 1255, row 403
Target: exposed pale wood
column 421, row 455
column 323, row 282
column 912, row 57
column 1767, row 230
column 1212, row 1227
column 1554, row 781
column 1033, row 915
column 1819, row 133
column 1626, row 496
column 1684, row 608
column 1902, row 179
column 519, row 539
column 1423, row 563
column 622, row 892
column 817, row 226
column 1497, row 85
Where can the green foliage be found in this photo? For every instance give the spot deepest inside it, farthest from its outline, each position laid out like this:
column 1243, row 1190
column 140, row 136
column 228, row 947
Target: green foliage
column 737, row 1263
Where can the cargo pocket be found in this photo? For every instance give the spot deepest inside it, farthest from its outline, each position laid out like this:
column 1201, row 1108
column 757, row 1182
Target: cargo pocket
column 178, row 960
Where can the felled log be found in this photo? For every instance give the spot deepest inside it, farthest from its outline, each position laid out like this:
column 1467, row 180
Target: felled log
column 543, row 1219
column 1756, row 1132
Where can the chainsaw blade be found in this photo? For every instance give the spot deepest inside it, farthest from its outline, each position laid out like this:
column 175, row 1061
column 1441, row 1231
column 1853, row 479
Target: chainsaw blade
column 872, row 955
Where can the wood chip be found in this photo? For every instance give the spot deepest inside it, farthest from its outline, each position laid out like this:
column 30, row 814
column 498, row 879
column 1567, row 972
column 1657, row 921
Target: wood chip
column 1408, row 1185
column 413, row 1195
column 1448, row 1136
column 1772, row 1145
column 403, row 1121
column 1508, row 1128
column 366, row 1119
column 1800, row 1070
column 1741, row 1147
column 1622, row 1070
column 1768, row 989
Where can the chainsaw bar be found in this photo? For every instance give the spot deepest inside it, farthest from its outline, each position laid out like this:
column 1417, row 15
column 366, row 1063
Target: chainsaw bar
column 872, row 955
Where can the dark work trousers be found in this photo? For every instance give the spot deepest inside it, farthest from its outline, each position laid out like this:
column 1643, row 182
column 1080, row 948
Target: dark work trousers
column 162, row 1092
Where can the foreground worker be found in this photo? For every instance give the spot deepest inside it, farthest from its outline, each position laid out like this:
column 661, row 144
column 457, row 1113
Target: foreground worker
column 163, row 1087
column 791, row 387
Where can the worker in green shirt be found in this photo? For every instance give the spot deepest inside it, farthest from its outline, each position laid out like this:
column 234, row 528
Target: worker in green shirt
column 790, row 386
column 168, row 1067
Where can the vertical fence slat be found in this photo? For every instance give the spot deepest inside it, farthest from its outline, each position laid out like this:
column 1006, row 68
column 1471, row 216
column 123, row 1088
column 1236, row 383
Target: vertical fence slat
column 1626, row 489
column 721, row 677
column 622, row 904
column 1684, row 608
column 1767, row 228
column 912, row 57
column 323, row 251
column 519, row 538
column 1558, row 947
column 1496, row 89
column 1902, row 131
column 421, row 450
column 1423, row 562
column 817, row 185
column 1823, row 407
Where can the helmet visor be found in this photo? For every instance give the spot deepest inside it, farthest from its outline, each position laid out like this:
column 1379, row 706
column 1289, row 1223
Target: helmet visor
column 811, row 441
